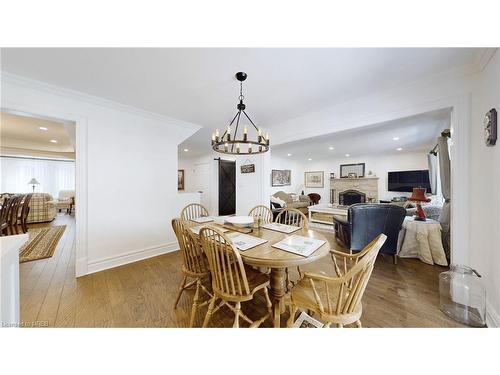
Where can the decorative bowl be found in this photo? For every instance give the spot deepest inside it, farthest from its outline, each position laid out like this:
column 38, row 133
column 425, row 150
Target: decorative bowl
column 240, row 221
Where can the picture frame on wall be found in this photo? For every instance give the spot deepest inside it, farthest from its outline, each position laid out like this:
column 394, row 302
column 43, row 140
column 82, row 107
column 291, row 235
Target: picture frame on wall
column 180, row 179
column 358, row 169
column 314, row 179
column 281, row 177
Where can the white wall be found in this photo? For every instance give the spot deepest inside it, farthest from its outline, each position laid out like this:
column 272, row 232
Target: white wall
column 251, row 188
column 297, row 174
column 484, row 197
column 126, row 162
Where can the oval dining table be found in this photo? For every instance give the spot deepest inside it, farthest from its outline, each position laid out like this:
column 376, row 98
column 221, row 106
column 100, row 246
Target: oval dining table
column 277, row 260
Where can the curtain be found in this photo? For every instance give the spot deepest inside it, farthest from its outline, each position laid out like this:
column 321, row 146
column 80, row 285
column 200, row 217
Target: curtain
column 52, row 175
column 432, row 161
column 445, row 174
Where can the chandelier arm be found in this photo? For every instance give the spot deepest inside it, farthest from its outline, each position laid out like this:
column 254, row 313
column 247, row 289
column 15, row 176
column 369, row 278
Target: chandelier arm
column 236, row 129
column 231, row 123
column 249, row 119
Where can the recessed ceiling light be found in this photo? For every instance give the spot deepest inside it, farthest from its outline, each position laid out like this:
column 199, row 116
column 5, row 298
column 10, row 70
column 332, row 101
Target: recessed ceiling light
column 309, row 159
column 395, row 138
column 347, row 155
column 53, row 140
column 331, row 148
column 288, row 154
column 399, row 149
column 186, row 150
column 43, row 128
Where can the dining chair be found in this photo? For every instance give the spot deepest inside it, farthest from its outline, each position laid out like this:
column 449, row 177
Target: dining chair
column 4, row 214
column 263, row 212
column 336, row 300
column 193, row 211
column 194, row 266
column 232, row 281
column 25, row 209
column 292, row 216
column 13, row 214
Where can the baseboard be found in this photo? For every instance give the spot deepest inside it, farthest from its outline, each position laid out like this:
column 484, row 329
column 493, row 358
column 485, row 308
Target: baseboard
column 130, row 257
column 492, row 316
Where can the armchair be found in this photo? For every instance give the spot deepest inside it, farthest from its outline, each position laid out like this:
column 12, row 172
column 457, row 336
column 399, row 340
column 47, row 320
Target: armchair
column 366, row 221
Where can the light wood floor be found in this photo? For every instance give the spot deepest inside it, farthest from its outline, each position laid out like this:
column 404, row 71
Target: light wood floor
column 142, row 294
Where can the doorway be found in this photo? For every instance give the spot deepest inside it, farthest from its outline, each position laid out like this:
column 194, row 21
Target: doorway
column 227, row 187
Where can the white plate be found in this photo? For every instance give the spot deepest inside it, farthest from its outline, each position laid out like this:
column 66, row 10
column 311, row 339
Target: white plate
column 240, row 221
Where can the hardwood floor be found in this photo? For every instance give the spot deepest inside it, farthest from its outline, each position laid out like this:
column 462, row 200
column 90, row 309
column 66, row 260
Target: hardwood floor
column 142, row 294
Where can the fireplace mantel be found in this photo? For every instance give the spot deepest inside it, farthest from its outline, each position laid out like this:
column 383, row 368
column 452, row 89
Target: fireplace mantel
column 366, row 185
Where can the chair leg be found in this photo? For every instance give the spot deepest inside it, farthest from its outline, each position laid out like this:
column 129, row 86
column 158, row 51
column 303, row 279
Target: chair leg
column 195, row 303
column 358, row 323
column 268, row 303
column 209, row 312
column 395, row 259
column 236, row 323
column 181, row 289
column 340, row 325
column 290, row 321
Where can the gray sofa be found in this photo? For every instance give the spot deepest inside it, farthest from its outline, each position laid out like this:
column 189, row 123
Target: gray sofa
column 301, row 205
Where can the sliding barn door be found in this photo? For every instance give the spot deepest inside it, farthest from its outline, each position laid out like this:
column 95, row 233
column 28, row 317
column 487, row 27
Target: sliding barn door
column 227, row 187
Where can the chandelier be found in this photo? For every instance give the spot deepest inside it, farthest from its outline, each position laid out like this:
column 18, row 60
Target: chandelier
column 228, row 144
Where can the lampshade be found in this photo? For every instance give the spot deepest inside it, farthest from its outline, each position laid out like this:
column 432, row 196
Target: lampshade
column 33, row 181
column 418, row 195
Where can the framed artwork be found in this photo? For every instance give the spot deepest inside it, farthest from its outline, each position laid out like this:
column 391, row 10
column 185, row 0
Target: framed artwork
column 180, row 179
column 358, row 169
column 281, row 177
column 248, row 168
column 314, row 179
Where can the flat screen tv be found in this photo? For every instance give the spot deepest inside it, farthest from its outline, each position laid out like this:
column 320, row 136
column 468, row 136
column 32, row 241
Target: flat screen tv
column 406, row 180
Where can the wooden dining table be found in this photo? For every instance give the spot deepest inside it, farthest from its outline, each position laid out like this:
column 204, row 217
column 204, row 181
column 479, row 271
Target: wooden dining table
column 278, row 260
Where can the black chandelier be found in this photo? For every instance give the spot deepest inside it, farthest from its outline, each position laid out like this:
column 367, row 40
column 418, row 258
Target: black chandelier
column 228, row 144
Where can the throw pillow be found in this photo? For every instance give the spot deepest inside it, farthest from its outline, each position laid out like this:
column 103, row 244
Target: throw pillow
column 278, row 201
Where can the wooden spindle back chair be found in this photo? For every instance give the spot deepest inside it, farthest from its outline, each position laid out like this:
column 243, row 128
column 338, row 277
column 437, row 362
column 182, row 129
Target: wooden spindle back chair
column 5, row 213
column 193, row 211
column 13, row 214
column 292, row 216
column 263, row 212
column 194, row 265
column 25, row 212
column 337, row 300
column 232, row 282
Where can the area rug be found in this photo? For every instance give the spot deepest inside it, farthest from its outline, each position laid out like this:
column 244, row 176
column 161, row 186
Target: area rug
column 41, row 244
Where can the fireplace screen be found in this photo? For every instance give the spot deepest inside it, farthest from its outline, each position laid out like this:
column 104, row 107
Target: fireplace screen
column 348, row 197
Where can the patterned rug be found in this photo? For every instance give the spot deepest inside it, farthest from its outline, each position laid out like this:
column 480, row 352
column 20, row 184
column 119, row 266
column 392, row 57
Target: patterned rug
column 41, row 244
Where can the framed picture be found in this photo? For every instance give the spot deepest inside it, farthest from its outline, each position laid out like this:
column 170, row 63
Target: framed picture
column 248, row 168
column 180, row 179
column 359, row 169
column 281, row 177
column 314, row 179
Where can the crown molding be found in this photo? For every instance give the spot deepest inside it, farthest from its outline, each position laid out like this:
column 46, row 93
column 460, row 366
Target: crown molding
column 483, row 58
column 30, row 83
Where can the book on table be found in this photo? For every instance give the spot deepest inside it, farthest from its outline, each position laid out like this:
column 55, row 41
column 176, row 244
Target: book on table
column 299, row 245
column 283, row 228
column 203, row 219
column 244, row 242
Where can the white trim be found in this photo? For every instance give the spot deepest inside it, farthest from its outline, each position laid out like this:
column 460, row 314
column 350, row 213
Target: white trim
column 130, row 257
column 76, row 95
column 492, row 316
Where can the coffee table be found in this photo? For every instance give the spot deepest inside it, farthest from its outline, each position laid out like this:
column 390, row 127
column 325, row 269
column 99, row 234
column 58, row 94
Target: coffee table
column 329, row 209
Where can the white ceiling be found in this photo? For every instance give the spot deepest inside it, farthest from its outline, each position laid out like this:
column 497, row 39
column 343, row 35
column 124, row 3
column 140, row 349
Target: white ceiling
column 198, row 84
column 21, row 132
column 416, row 134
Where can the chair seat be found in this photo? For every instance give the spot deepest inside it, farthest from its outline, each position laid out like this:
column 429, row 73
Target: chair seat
column 302, row 295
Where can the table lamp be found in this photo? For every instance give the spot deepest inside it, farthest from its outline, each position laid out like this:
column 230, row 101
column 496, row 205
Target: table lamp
column 418, row 196
column 33, row 182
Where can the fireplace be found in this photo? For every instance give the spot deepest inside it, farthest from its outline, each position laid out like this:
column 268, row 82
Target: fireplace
column 348, row 197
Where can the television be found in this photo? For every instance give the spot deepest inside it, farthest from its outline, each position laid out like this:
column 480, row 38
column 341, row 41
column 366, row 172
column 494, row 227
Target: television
column 405, row 181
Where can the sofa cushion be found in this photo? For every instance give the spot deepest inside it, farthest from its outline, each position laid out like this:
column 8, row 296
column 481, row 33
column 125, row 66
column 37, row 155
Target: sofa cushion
column 283, row 196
